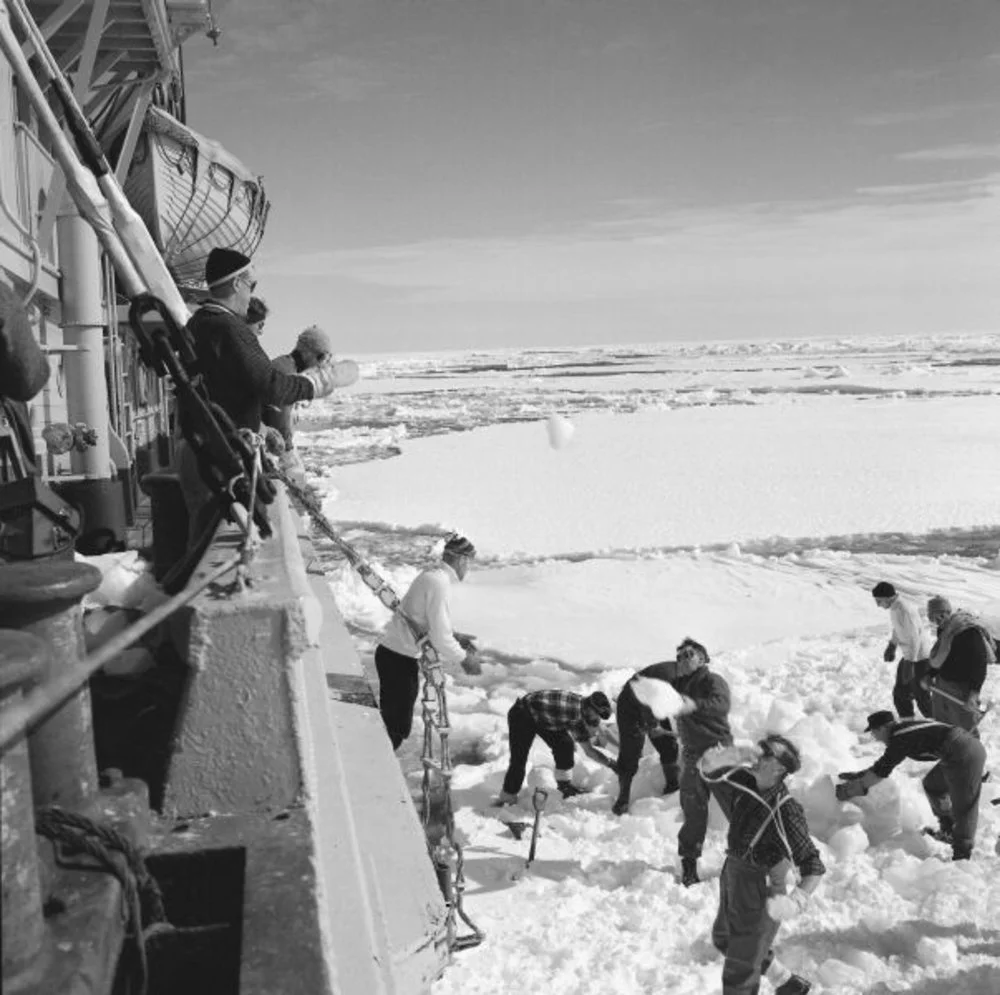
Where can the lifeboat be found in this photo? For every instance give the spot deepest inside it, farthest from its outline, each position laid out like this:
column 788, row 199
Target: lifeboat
column 194, row 196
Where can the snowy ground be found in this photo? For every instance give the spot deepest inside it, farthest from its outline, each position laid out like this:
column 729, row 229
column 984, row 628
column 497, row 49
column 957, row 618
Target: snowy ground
column 747, row 495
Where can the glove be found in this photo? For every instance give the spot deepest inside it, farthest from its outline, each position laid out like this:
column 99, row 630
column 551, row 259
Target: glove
column 890, row 652
column 782, row 907
column 471, row 664
column 850, row 789
column 851, row 775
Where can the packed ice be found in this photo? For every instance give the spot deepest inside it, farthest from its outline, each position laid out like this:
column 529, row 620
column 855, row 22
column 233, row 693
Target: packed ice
column 747, row 495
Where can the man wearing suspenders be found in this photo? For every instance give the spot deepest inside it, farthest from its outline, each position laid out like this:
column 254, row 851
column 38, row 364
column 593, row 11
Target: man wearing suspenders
column 768, row 833
column 953, row 784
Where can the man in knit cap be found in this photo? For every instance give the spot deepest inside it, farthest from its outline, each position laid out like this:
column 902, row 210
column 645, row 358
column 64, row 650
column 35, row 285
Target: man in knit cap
column 910, row 638
column 957, row 664
column 953, row 785
column 562, row 719
column 312, row 349
column 424, row 613
column 238, row 375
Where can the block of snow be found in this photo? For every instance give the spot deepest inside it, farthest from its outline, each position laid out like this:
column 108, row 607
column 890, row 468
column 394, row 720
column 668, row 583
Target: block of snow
column 560, row 430
column 848, row 842
column 658, row 696
column 937, row 951
column 834, row 973
column 782, row 715
column 542, row 777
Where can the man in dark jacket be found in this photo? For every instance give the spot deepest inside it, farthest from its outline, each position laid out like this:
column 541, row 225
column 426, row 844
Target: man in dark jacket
column 957, row 666
column 702, row 725
column 953, row 784
column 636, row 720
column 768, row 833
column 238, row 375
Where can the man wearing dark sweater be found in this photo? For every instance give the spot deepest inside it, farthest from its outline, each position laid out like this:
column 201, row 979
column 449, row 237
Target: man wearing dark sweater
column 957, row 664
column 701, row 724
column 953, row 784
column 237, row 373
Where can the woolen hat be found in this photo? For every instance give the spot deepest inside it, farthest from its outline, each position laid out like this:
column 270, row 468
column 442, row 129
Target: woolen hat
column 938, row 604
column 458, row 545
column 883, row 589
column 878, row 719
column 600, row 703
column 224, row 264
column 315, row 339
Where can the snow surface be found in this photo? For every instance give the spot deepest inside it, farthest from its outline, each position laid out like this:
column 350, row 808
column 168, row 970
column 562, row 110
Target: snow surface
column 705, row 493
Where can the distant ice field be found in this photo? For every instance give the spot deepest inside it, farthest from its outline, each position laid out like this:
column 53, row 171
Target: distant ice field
column 801, row 467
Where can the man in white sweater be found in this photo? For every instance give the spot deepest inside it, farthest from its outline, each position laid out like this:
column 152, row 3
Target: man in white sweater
column 911, row 638
column 423, row 612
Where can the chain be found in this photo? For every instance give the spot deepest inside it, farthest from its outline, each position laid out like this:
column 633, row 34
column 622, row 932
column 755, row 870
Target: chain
column 446, row 853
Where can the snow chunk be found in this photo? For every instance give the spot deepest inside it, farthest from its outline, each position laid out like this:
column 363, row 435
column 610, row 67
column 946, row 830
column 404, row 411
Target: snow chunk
column 659, row 696
column 848, row 842
column 937, row 951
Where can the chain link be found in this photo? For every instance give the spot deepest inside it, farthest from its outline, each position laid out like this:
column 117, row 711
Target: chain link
column 446, row 852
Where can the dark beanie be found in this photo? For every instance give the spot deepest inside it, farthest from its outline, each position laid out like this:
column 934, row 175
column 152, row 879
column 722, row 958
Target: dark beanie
column 224, row 264
column 457, row 544
column 599, row 702
column 883, row 589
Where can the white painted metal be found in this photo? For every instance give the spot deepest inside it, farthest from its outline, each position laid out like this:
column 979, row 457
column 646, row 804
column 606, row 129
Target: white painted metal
column 83, row 326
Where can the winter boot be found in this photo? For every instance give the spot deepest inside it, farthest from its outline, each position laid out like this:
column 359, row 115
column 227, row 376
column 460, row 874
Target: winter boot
column 620, row 807
column 569, row 790
column 671, row 785
column 689, row 872
column 793, row 986
column 961, row 851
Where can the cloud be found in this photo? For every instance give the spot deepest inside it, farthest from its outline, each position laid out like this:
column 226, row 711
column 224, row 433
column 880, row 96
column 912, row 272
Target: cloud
column 953, row 153
column 933, row 112
column 860, row 248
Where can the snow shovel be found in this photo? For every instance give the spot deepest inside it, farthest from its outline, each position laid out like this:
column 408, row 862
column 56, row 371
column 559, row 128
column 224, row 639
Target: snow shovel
column 538, row 798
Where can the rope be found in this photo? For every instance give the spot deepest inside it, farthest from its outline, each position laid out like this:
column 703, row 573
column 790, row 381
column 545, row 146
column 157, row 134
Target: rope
column 446, row 854
column 142, row 903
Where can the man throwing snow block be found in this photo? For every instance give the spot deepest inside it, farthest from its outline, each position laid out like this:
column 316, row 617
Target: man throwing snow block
column 562, row 719
column 701, row 703
column 953, row 784
column 425, row 608
column 910, row 637
column 768, row 833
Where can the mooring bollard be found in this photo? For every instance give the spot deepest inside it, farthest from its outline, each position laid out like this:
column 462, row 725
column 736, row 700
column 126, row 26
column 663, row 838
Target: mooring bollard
column 22, row 658
column 42, row 597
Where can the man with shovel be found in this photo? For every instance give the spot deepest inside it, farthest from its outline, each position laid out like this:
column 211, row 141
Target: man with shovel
column 958, row 662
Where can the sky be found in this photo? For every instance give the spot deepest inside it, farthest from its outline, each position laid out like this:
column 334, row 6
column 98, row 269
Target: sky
column 473, row 173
